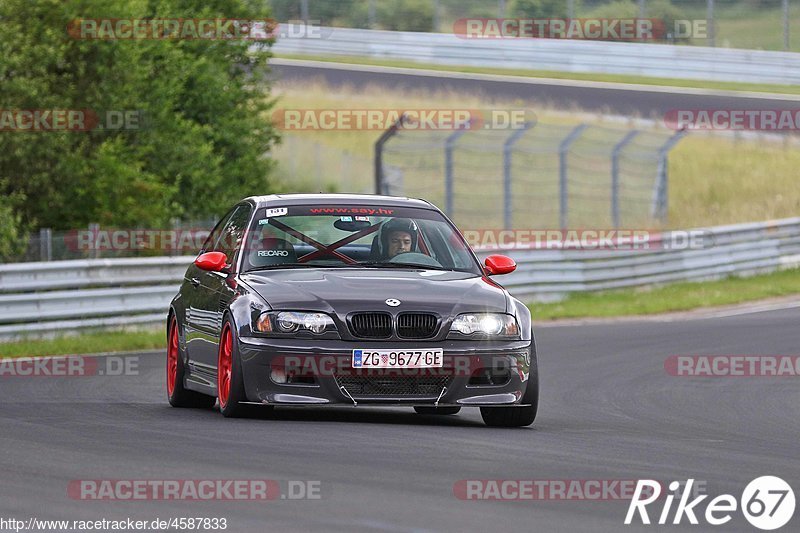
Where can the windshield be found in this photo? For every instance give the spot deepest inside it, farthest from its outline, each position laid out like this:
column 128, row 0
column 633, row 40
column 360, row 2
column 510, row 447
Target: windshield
column 359, row 237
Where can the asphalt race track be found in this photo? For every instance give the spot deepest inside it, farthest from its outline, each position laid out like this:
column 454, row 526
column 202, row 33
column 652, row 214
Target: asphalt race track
column 608, row 411
column 645, row 101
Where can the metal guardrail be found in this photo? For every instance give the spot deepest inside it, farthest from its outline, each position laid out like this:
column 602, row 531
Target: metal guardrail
column 28, row 277
column 736, row 250
column 640, row 59
column 49, row 297
column 43, row 298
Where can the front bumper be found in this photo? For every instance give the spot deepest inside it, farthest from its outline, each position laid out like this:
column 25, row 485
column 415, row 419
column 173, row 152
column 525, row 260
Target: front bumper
column 319, row 373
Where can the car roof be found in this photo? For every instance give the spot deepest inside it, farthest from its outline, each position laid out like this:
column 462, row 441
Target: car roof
column 279, row 200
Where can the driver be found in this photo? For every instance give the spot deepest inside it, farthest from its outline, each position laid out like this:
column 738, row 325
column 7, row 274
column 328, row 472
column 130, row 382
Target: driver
column 399, row 236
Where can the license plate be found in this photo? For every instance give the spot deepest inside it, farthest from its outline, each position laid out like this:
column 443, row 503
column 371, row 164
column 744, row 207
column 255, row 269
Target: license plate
column 432, row 358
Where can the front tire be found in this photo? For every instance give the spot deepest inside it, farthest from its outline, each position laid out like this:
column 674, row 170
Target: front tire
column 508, row 417
column 177, row 394
column 230, row 382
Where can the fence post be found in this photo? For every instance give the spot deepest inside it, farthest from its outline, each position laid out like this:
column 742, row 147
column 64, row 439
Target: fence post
column 177, row 230
column 660, row 195
column 304, row 11
column 318, row 166
column 507, row 150
column 449, row 144
column 710, row 21
column 45, row 244
column 292, row 146
column 383, row 139
column 615, row 175
column 785, row 6
column 94, row 231
column 344, row 172
column 563, row 148
column 371, row 14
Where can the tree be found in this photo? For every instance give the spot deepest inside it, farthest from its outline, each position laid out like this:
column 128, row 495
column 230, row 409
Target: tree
column 12, row 241
column 204, row 105
column 662, row 10
column 539, row 8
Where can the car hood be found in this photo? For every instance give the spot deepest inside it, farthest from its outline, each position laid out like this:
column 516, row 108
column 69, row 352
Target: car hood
column 342, row 291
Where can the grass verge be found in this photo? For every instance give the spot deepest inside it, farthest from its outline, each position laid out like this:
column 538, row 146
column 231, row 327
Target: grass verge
column 96, row 342
column 673, row 297
column 552, row 74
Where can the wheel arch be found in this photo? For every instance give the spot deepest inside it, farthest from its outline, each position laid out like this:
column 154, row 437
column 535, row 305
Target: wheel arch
column 523, row 315
column 243, row 310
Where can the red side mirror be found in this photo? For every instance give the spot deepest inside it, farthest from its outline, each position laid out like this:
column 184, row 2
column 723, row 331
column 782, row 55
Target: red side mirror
column 499, row 264
column 212, row 261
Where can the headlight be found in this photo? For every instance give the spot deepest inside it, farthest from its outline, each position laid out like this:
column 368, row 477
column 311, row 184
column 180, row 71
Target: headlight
column 293, row 322
column 487, row 324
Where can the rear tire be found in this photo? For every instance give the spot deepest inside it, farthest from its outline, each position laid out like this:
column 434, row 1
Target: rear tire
column 177, row 394
column 508, row 417
column 230, row 382
column 425, row 410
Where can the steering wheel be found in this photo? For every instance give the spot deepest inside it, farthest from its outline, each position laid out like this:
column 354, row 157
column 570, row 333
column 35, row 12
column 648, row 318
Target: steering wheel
column 416, row 259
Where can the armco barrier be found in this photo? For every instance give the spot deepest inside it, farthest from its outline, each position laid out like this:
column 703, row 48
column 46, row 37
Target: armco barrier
column 50, row 297
column 42, row 298
column 742, row 249
column 640, row 59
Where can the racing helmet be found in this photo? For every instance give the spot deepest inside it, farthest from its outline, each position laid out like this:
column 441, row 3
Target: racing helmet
column 399, row 224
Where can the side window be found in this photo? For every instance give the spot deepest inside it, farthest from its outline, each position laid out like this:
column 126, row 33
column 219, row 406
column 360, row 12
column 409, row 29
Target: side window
column 233, row 233
column 213, row 237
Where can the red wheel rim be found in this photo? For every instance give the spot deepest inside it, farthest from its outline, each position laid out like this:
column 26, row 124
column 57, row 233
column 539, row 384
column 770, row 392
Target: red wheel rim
column 224, row 366
column 172, row 357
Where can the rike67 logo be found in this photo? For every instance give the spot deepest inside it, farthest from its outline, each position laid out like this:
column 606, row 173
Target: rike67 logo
column 767, row 503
